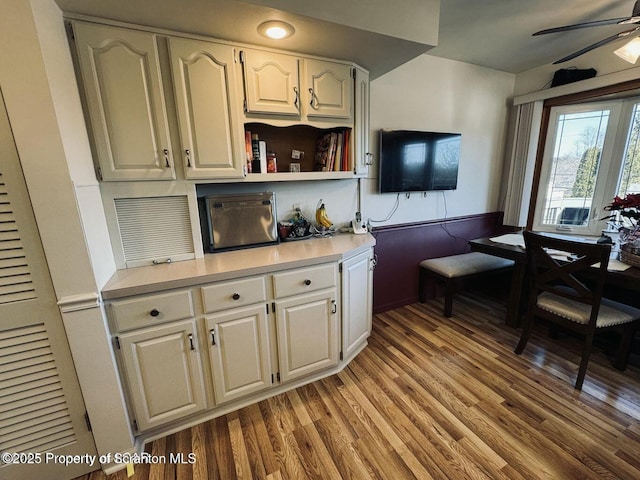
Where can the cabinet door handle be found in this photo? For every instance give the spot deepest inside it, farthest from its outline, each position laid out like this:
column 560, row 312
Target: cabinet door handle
column 213, row 336
column 313, row 97
column 297, row 99
column 155, row 312
column 236, row 296
column 191, row 345
column 307, row 282
column 334, row 306
column 166, row 157
column 188, row 155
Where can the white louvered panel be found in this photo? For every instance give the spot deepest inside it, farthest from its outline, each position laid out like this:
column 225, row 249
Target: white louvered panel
column 16, row 283
column 154, row 227
column 33, row 411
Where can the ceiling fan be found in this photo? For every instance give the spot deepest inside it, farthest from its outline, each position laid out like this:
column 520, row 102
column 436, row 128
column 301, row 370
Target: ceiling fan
column 634, row 19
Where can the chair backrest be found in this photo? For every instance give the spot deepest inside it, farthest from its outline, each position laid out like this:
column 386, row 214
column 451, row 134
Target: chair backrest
column 559, row 266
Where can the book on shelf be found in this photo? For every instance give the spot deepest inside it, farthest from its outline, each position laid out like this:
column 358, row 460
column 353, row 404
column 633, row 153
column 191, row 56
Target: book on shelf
column 338, row 156
column 262, row 146
column 255, row 153
column 248, row 149
column 345, row 150
column 333, row 142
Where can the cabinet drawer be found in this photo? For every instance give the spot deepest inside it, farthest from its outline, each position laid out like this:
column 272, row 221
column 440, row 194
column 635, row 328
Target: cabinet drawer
column 225, row 295
column 150, row 310
column 304, row 280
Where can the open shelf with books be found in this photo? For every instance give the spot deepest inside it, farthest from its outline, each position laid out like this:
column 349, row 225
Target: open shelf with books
column 297, row 152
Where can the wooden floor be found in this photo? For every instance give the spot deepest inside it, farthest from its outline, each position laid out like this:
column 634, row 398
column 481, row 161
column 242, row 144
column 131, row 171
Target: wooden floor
column 430, row 398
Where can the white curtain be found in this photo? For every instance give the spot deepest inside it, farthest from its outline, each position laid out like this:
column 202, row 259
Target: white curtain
column 521, row 162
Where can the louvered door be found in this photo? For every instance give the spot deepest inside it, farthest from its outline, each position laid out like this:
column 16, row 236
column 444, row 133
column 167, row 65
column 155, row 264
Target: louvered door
column 41, row 407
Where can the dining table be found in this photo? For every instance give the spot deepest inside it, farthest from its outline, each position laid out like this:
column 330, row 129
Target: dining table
column 622, row 279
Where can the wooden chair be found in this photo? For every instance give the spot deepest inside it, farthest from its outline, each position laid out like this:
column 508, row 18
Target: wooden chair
column 558, row 294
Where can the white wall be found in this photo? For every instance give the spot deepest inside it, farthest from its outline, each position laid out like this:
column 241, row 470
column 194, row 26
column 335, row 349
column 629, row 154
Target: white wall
column 431, row 93
column 602, row 59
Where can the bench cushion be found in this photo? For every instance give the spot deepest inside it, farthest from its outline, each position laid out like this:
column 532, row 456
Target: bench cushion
column 465, row 264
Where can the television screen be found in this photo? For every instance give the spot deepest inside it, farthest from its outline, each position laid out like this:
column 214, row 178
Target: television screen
column 412, row 161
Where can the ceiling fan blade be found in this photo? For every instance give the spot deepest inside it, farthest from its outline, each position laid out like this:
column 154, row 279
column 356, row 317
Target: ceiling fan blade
column 576, row 26
column 597, row 44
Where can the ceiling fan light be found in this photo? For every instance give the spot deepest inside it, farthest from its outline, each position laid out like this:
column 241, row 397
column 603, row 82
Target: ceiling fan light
column 630, row 51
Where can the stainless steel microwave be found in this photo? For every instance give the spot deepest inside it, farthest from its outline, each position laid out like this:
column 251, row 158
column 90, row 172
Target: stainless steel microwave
column 241, row 220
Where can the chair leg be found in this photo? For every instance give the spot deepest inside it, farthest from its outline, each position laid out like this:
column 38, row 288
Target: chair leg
column 422, row 284
column 526, row 333
column 449, row 289
column 586, row 353
column 626, row 339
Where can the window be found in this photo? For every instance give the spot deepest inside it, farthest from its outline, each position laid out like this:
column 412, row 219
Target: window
column 591, row 154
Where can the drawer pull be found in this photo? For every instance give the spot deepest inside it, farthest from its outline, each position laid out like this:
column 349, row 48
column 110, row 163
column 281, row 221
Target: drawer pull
column 213, row 336
column 155, row 312
column 236, row 296
column 191, row 345
column 334, row 306
column 307, row 282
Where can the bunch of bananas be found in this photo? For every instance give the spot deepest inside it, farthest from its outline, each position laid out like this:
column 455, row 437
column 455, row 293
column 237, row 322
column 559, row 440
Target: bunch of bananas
column 321, row 217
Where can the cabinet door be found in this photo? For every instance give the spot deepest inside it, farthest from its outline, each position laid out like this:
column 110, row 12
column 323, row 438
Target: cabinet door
column 328, row 89
column 239, row 352
column 205, row 92
column 164, row 373
column 125, row 101
column 362, row 156
column 271, row 83
column 308, row 333
column 357, row 297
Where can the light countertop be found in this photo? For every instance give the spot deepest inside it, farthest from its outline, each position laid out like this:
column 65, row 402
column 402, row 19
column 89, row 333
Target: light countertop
column 233, row 264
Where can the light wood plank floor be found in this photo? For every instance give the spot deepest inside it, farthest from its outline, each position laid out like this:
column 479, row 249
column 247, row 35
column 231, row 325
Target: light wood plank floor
column 430, row 398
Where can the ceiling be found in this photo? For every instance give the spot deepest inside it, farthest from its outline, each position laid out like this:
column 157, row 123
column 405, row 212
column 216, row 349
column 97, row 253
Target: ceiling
column 490, row 33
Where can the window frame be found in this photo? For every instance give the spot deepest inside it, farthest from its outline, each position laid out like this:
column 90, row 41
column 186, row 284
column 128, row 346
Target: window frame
column 609, row 172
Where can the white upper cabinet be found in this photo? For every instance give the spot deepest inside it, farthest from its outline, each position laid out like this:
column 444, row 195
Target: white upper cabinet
column 329, row 89
column 271, row 83
column 280, row 84
column 363, row 158
column 125, row 101
column 205, row 94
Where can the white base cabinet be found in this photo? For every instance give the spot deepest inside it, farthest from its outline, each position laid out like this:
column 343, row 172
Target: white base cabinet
column 357, row 301
column 215, row 346
column 308, row 334
column 239, row 352
column 164, row 373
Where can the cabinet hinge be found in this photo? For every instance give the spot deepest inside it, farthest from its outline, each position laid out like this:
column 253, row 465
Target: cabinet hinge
column 135, row 425
column 272, row 379
column 267, row 305
column 246, row 109
column 87, row 421
column 353, row 73
column 341, row 356
column 340, row 268
column 116, row 341
column 241, row 55
column 99, row 171
column 273, row 307
column 278, row 376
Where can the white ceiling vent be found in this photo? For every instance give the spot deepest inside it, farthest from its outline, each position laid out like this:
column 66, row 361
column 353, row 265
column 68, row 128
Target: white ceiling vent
column 154, row 229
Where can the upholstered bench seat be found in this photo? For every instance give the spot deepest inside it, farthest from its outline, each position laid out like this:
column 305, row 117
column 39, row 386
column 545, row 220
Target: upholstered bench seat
column 451, row 268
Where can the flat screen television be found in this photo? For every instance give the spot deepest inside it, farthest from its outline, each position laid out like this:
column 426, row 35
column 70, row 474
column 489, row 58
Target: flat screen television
column 412, row 161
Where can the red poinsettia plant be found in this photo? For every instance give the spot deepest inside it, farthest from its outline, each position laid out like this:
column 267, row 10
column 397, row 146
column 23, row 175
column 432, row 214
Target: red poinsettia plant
column 628, row 208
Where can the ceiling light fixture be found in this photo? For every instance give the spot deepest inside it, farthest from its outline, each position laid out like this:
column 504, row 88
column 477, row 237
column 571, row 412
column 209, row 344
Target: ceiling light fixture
column 630, row 51
column 275, row 29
